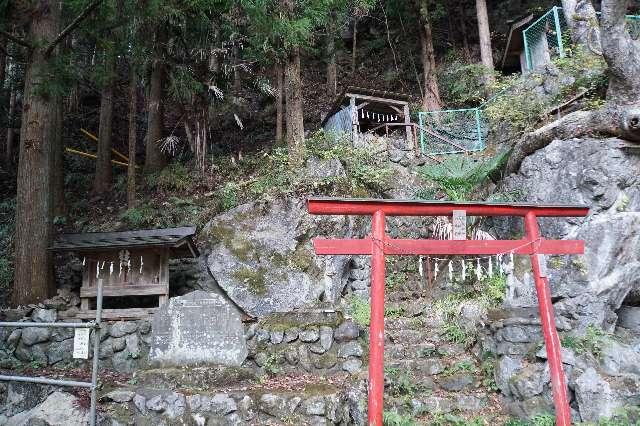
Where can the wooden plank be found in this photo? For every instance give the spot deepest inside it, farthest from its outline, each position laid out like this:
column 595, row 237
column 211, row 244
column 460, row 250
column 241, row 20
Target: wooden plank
column 376, row 99
column 118, row 314
column 126, row 290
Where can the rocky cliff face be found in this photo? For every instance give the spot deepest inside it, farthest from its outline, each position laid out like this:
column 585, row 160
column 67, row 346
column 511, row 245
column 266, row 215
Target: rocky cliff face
column 595, row 295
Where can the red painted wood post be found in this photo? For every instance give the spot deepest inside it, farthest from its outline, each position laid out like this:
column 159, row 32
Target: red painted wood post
column 551, row 340
column 376, row 327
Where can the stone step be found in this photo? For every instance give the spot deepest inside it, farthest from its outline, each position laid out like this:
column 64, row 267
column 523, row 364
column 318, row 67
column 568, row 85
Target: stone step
column 463, row 403
column 423, row 322
column 410, row 337
column 395, row 351
column 418, row 368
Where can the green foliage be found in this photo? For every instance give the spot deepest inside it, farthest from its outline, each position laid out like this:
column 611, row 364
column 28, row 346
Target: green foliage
column 458, row 175
column 494, row 288
column 392, row 418
column 228, row 196
column 460, row 367
column 488, row 368
column 396, row 279
column 174, row 177
column 520, row 109
column 360, row 311
column 138, row 217
column 401, row 382
column 453, row 332
column 450, row 419
column 593, row 341
column 7, row 229
column 461, row 83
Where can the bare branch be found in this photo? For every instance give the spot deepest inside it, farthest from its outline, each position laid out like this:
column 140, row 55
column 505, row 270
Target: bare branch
column 72, row 26
column 15, row 39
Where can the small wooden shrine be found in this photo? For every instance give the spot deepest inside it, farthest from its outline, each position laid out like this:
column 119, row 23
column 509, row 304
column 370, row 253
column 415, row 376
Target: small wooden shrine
column 514, row 57
column 358, row 110
column 131, row 264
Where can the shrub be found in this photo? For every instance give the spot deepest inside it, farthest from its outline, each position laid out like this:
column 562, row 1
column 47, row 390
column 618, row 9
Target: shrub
column 459, row 175
column 174, row 177
column 360, row 311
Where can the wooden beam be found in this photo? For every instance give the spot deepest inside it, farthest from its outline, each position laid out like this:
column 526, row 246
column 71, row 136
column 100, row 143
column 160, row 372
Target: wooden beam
column 126, row 289
column 376, row 99
column 117, row 314
column 113, row 150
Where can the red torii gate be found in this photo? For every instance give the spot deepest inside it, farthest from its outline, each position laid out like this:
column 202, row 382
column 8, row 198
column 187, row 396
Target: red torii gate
column 378, row 245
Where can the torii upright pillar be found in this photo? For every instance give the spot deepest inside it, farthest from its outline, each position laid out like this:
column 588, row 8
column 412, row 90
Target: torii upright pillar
column 378, row 245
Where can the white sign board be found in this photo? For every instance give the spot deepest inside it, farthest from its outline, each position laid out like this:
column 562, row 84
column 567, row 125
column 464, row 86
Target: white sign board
column 459, row 231
column 81, row 343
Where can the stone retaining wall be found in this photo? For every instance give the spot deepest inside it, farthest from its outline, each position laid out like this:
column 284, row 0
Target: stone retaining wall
column 320, row 342
column 124, row 345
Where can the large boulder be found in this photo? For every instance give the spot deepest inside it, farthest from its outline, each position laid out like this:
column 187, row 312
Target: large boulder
column 597, row 173
column 261, row 254
column 59, row 409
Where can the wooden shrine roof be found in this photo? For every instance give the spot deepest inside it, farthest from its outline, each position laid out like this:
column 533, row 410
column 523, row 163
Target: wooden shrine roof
column 381, row 96
column 510, row 56
column 179, row 240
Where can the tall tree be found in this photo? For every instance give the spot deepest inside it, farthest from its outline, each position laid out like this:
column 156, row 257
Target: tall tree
column 33, row 269
column 133, row 130
column 431, row 97
column 620, row 116
column 8, row 161
column 332, row 66
column 103, row 178
column 33, row 272
column 155, row 158
column 485, row 37
column 582, row 20
column 279, row 102
column 282, row 29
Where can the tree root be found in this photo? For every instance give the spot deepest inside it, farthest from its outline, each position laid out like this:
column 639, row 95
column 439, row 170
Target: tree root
column 620, row 121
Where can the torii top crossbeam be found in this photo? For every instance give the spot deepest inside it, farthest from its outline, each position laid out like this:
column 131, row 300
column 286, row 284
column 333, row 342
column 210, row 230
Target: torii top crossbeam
column 378, row 244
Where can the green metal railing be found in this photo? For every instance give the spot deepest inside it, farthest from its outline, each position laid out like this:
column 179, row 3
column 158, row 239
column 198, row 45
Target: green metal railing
column 452, row 131
column 546, row 37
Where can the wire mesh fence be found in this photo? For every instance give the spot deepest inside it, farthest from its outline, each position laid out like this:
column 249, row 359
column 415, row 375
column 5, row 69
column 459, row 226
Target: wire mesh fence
column 452, row 131
column 548, row 37
column 543, row 38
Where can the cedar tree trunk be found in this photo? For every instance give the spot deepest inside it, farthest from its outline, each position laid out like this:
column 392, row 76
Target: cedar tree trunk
column 104, row 175
column 33, row 267
column 485, row 37
column 279, row 102
column 431, row 98
column 155, row 159
column 131, row 169
column 294, row 111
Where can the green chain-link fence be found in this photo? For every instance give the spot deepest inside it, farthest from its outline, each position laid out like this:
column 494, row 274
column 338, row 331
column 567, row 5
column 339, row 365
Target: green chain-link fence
column 543, row 38
column 547, row 36
column 452, row 131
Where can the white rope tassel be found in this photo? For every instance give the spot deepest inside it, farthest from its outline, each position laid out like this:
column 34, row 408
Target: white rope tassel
column 464, row 270
column 420, row 270
column 450, row 271
column 111, row 268
column 435, row 269
column 367, row 114
column 84, row 259
column 129, row 266
column 490, row 267
column 500, row 264
column 120, row 273
column 102, row 267
column 478, row 270
column 97, row 269
column 141, row 263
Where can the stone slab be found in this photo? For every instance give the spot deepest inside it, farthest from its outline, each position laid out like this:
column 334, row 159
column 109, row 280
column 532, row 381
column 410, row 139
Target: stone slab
column 198, row 328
